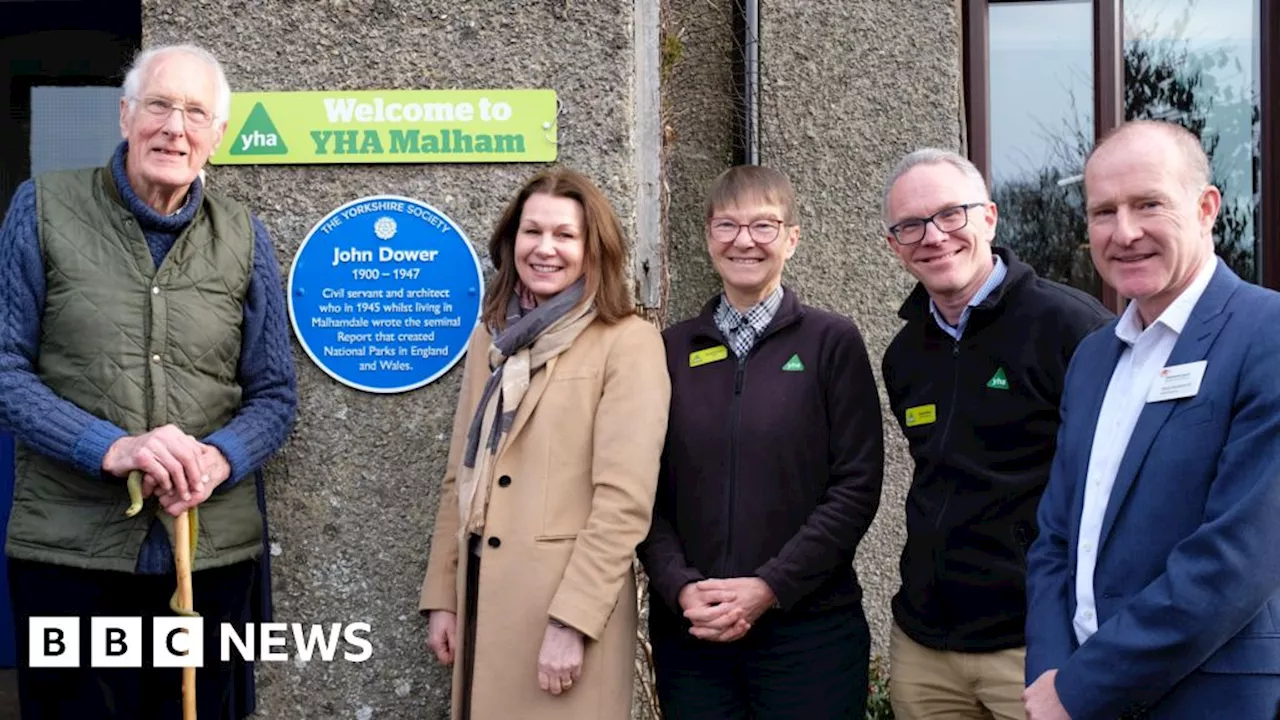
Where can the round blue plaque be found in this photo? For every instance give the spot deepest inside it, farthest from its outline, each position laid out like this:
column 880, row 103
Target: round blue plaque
column 384, row 293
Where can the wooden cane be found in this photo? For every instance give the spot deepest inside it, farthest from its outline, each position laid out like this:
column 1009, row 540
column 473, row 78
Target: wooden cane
column 183, row 600
column 186, row 602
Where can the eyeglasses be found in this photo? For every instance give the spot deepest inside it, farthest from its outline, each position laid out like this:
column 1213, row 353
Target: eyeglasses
column 196, row 116
column 762, row 232
column 948, row 219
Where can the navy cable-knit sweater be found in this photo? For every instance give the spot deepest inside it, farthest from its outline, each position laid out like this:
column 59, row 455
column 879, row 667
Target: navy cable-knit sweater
column 58, row 428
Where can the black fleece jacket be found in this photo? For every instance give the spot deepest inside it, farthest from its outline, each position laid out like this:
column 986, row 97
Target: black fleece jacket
column 773, row 463
column 981, row 418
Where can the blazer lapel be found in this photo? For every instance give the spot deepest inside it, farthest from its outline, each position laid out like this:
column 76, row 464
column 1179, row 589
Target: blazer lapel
column 1099, row 371
column 537, row 385
column 1202, row 328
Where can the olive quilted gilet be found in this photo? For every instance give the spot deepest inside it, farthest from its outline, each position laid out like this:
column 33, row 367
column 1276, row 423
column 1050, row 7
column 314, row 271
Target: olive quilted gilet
column 140, row 347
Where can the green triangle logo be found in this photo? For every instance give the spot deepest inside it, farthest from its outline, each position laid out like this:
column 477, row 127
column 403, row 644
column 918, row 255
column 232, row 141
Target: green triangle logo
column 258, row 136
column 998, row 381
column 794, row 364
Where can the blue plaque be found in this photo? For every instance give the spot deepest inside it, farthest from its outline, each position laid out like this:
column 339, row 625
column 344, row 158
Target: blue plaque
column 384, row 293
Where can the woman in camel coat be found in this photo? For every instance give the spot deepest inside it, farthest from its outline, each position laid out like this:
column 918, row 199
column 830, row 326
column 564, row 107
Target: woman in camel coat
column 552, row 471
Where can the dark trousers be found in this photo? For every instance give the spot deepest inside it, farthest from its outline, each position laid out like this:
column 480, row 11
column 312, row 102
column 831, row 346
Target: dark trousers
column 469, row 624
column 809, row 667
column 222, row 595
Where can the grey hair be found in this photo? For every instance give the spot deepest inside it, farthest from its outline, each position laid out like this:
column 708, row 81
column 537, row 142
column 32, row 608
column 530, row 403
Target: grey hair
column 930, row 156
column 133, row 78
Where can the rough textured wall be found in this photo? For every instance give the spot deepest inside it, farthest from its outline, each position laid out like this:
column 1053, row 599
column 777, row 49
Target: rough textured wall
column 700, row 106
column 847, row 88
column 353, row 496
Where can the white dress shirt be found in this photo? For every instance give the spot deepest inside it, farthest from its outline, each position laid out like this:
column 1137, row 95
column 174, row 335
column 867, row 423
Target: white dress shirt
column 1145, row 353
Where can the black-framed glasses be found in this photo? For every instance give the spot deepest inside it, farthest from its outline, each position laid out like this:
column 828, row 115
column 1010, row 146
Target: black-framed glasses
column 762, row 232
column 948, row 219
column 195, row 116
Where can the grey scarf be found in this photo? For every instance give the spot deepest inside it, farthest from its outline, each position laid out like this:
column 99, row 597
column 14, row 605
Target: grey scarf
column 529, row 341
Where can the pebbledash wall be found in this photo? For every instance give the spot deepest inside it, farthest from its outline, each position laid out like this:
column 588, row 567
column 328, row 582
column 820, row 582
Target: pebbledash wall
column 353, row 494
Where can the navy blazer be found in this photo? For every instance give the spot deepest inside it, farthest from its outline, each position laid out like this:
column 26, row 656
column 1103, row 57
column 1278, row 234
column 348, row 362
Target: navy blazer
column 1187, row 583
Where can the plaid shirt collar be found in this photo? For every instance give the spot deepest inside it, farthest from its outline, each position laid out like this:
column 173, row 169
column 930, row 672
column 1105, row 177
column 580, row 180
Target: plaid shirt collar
column 743, row 329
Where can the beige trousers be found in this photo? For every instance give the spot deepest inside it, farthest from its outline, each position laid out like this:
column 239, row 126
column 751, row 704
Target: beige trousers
column 928, row 684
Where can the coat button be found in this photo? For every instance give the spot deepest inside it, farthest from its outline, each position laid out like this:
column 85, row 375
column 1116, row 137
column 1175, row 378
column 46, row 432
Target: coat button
column 504, row 481
column 494, row 542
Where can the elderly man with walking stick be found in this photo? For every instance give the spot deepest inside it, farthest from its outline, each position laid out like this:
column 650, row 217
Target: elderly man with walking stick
column 145, row 372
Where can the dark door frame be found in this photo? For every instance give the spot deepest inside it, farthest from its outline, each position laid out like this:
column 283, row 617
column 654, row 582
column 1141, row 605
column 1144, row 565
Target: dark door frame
column 69, row 42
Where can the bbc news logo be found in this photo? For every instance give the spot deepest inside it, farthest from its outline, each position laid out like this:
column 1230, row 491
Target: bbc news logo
column 117, row 642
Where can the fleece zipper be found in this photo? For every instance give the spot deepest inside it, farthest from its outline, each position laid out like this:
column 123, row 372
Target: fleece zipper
column 735, row 415
column 951, row 489
column 735, row 422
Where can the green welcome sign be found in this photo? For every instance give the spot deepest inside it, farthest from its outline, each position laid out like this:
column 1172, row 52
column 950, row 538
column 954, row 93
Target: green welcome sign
column 389, row 126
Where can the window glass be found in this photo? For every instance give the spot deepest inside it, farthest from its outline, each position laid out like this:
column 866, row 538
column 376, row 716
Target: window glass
column 73, row 127
column 1041, row 120
column 1196, row 63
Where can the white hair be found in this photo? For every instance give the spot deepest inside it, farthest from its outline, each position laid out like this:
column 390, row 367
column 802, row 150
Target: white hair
column 931, row 156
column 133, row 78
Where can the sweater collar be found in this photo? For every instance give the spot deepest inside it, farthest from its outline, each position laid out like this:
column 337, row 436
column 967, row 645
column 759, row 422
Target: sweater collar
column 148, row 218
column 916, row 306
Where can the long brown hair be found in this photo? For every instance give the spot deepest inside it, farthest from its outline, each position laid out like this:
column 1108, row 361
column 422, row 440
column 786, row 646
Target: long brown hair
column 604, row 249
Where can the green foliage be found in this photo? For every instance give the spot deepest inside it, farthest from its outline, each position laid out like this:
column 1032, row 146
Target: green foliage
column 672, row 50
column 878, row 707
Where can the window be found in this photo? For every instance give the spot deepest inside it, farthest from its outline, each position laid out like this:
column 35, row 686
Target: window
column 73, row 127
column 1046, row 77
column 1041, row 86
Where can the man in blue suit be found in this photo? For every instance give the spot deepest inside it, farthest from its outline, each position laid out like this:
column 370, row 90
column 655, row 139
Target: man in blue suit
column 1154, row 585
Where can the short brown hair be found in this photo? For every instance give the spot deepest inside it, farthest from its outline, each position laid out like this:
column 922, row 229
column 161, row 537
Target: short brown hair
column 752, row 184
column 604, row 247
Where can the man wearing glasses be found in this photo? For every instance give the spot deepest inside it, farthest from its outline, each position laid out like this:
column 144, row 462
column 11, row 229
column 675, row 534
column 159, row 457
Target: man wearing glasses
column 974, row 379
column 142, row 328
column 770, row 476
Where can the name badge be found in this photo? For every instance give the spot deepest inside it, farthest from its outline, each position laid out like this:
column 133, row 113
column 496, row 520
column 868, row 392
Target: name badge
column 710, row 355
column 922, row 415
column 1177, row 381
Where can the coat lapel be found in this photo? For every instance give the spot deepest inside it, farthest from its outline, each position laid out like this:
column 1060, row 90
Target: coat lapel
column 1202, row 328
column 537, row 385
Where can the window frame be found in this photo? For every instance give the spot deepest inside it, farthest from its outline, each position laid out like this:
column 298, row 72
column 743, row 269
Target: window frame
column 1108, row 106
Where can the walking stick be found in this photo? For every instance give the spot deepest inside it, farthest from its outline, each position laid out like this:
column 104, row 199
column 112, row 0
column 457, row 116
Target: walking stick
column 184, row 601
column 185, row 533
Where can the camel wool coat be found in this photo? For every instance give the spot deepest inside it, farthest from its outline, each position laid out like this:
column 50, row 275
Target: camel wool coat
column 572, row 497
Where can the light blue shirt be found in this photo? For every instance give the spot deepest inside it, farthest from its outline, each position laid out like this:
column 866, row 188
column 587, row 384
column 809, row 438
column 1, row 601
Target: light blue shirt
column 993, row 281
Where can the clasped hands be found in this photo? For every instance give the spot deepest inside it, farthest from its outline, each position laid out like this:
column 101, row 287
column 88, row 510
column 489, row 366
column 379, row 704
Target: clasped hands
column 723, row 610
column 178, row 469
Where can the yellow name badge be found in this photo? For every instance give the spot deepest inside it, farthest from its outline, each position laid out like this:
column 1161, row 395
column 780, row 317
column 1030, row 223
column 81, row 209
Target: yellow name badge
column 922, row 415
column 710, row 355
